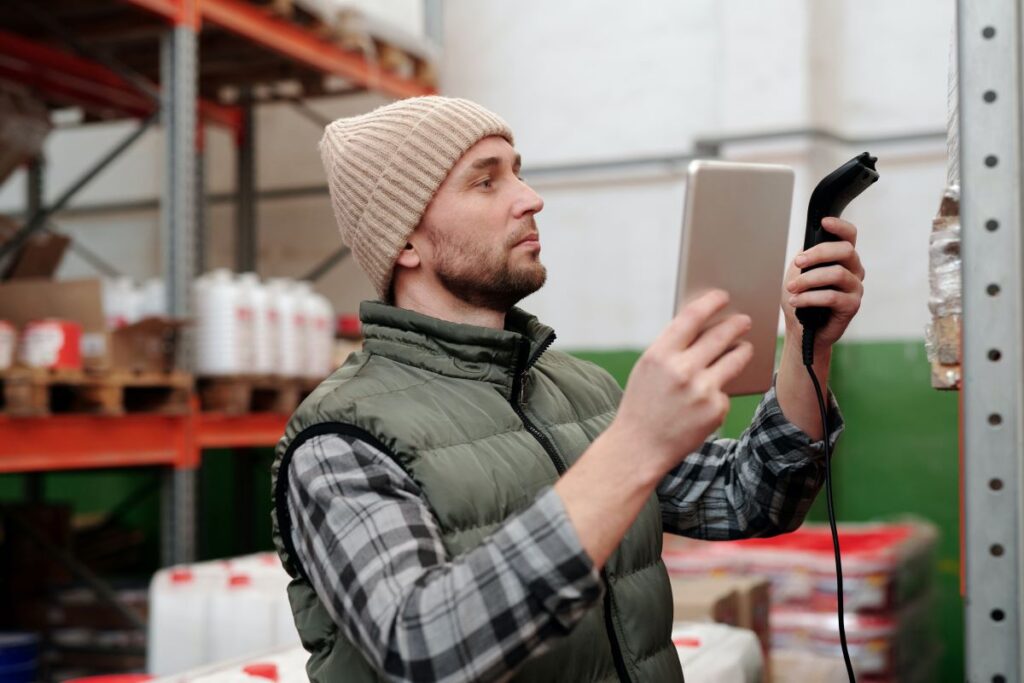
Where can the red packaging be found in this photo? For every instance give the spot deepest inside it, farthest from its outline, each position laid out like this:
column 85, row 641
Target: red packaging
column 885, row 566
column 51, row 343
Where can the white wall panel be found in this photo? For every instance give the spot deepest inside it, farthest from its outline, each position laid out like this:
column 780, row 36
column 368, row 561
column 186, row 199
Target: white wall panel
column 592, row 81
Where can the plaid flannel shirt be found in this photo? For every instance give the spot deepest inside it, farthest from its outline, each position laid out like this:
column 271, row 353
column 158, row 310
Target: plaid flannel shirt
column 372, row 549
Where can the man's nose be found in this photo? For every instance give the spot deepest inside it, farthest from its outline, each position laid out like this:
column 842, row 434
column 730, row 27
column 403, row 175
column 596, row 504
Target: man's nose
column 529, row 202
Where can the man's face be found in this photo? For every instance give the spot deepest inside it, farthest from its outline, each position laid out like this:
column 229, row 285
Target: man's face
column 478, row 236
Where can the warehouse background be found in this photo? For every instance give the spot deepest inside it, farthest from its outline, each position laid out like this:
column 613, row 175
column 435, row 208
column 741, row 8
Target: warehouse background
column 606, row 105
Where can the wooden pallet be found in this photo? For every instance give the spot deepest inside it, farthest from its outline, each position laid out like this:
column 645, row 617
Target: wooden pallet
column 241, row 394
column 36, row 392
column 352, row 30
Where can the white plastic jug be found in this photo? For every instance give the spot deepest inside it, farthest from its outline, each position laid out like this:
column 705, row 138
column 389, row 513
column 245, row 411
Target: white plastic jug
column 242, row 617
column 152, row 298
column 325, row 336
column 178, row 621
column 219, row 328
column 250, row 295
column 120, row 302
column 289, row 346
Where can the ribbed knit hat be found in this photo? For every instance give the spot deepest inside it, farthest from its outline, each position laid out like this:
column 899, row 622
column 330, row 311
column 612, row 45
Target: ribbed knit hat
column 384, row 167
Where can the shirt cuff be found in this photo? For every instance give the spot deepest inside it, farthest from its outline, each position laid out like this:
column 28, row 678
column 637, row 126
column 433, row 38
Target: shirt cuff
column 542, row 547
column 788, row 442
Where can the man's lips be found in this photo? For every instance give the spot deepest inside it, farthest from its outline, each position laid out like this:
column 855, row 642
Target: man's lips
column 533, row 238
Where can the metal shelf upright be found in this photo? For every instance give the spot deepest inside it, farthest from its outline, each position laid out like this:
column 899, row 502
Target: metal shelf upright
column 991, row 54
column 141, row 59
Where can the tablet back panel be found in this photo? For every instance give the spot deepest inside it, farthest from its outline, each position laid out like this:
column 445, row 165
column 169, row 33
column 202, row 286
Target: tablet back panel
column 735, row 227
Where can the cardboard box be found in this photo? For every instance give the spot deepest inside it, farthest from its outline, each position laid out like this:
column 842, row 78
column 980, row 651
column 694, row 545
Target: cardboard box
column 38, row 257
column 806, row 667
column 754, row 595
column 146, row 346
column 150, row 345
column 738, row 601
column 22, row 301
column 705, row 600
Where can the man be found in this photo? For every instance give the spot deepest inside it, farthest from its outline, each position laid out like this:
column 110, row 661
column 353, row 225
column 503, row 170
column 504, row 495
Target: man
column 459, row 502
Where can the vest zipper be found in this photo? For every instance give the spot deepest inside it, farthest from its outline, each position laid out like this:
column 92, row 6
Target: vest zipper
column 518, row 395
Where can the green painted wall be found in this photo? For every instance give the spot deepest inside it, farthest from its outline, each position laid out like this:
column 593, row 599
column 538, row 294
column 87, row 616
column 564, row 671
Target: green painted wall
column 898, row 456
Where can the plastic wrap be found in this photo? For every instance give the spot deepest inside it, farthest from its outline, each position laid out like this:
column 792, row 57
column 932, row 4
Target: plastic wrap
column 944, row 283
column 942, row 336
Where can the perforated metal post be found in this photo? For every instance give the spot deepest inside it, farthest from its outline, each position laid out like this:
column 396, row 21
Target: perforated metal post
column 246, row 234
column 178, row 214
column 990, row 49
column 199, row 248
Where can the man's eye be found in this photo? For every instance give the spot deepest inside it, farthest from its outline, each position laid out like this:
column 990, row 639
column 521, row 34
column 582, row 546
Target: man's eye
column 486, row 183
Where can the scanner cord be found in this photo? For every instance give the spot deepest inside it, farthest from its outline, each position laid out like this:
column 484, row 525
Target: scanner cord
column 808, row 357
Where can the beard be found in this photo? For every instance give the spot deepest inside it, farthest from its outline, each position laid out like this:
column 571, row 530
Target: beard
column 485, row 277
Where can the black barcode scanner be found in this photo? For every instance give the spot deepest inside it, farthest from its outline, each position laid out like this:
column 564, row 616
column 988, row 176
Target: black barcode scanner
column 830, row 197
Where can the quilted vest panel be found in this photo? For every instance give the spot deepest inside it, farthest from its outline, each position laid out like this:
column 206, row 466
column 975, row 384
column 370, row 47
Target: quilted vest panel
column 483, row 420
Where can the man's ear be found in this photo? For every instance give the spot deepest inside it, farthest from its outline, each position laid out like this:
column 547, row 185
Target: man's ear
column 408, row 257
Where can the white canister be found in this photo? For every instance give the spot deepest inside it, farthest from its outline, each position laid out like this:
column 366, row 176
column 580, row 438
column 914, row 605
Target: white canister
column 311, row 330
column 288, row 348
column 152, row 299
column 219, row 327
column 250, row 295
column 268, row 328
column 325, row 325
column 121, row 302
column 242, row 618
column 178, row 621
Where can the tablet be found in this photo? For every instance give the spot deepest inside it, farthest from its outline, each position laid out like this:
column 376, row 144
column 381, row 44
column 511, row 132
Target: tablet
column 735, row 228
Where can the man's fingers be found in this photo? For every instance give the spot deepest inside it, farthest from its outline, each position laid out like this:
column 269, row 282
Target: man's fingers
column 693, row 318
column 716, row 340
column 839, row 302
column 832, row 252
column 830, row 276
column 844, row 230
column 730, row 365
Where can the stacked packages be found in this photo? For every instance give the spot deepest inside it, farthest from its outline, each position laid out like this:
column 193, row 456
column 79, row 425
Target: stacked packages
column 887, row 576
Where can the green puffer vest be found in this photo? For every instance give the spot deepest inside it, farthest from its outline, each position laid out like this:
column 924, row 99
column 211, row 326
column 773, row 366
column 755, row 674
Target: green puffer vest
column 482, row 420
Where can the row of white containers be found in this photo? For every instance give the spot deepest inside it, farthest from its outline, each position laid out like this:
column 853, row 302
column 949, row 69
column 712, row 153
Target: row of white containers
column 229, row 621
column 125, row 302
column 242, row 325
column 216, row 611
column 279, row 327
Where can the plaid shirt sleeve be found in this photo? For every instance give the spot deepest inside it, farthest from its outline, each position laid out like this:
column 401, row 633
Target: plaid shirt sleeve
column 760, row 484
column 373, row 553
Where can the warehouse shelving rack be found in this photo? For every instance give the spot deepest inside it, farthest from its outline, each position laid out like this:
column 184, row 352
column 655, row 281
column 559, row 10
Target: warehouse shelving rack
column 166, row 61
column 991, row 96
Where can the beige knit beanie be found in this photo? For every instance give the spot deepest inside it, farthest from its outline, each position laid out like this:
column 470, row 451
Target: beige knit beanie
column 384, row 167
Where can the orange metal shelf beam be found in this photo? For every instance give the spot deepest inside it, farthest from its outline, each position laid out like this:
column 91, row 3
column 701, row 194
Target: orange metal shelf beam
column 289, row 40
column 88, row 84
column 216, row 430
column 66, row 442
column 76, row 442
column 171, row 10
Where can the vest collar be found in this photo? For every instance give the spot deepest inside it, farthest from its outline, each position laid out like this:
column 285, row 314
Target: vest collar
column 453, row 349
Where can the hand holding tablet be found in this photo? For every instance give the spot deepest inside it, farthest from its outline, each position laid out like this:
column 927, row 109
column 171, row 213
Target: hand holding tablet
column 735, row 229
